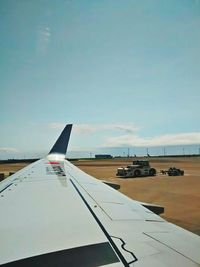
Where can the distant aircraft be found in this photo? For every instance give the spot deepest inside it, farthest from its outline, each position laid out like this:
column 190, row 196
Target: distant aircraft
column 53, row 214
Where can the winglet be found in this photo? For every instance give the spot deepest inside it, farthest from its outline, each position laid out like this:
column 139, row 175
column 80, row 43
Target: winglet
column 60, row 146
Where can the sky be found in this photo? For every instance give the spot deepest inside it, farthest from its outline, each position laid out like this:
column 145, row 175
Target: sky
column 126, row 73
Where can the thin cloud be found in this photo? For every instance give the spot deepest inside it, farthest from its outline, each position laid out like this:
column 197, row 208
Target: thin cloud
column 84, row 128
column 56, row 125
column 128, row 128
column 92, row 128
column 43, row 40
column 170, row 139
column 119, row 135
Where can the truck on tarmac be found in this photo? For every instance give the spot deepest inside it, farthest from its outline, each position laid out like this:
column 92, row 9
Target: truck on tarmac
column 173, row 171
column 137, row 169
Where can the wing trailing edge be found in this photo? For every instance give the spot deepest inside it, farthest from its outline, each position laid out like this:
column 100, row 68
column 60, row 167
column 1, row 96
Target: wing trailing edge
column 60, row 146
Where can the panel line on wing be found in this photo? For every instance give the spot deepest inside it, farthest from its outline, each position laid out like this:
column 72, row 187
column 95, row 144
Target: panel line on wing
column 6, row 187
column 117, row 251
column 123, row 247
column 170, row 247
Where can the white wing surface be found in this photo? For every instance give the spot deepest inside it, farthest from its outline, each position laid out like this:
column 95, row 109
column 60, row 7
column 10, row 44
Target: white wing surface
column 53, row 214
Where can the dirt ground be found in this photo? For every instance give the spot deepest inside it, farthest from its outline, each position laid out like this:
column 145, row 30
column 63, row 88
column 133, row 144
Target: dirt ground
column 11, row 167
column 180, row 195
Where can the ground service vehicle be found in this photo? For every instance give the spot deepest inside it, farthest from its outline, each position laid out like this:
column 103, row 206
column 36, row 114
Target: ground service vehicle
column 172, row 171
column 175, row 172
column 138, row 168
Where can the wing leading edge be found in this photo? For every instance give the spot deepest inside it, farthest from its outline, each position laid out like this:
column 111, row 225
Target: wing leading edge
column 54, row 214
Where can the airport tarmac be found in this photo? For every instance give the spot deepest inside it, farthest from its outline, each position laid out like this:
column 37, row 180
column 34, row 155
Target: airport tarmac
column 180, row 195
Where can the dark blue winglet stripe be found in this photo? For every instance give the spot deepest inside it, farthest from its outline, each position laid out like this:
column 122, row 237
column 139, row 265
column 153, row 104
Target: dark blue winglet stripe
column 61, row 144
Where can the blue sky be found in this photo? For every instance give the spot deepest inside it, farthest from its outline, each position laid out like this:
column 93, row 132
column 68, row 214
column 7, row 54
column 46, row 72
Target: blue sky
column 126, row 73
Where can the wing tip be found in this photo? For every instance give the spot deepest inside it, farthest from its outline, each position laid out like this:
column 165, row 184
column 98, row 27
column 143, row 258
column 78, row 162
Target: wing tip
column 61, row 144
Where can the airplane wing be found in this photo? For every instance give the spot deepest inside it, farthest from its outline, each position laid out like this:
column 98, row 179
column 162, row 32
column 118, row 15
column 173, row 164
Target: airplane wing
column 53, row 214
